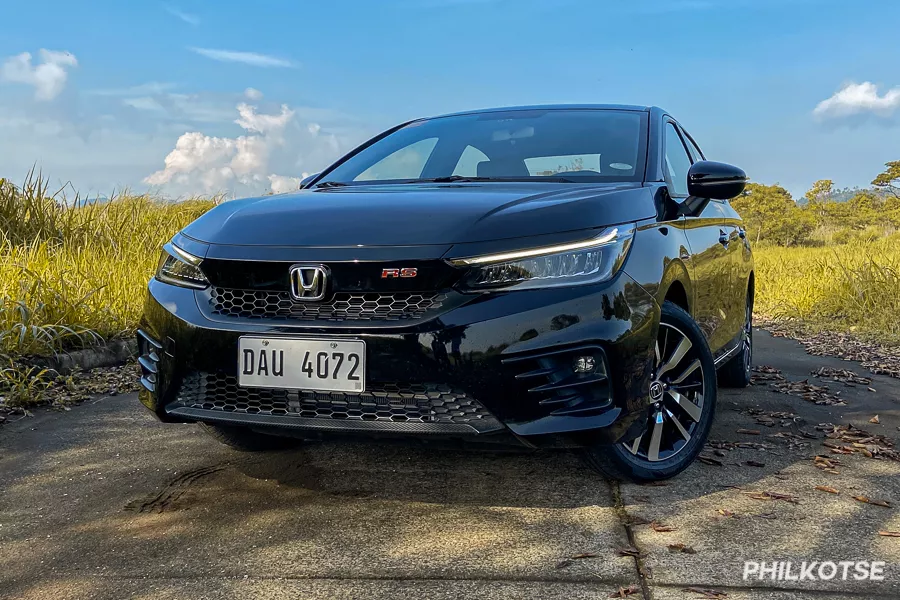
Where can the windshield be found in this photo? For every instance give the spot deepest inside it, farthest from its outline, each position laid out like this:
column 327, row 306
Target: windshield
column 578, row 145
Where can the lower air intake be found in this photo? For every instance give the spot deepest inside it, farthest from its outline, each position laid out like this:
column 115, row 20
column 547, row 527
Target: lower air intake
column 424, row 404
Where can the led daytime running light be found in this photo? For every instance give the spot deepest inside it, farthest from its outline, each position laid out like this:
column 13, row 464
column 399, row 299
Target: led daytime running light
column 604, row 239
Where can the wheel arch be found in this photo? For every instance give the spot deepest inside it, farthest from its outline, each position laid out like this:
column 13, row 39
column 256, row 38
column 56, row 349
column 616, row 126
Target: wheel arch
column 676, row 287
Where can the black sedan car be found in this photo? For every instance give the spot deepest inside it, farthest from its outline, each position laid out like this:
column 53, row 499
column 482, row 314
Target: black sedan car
column 550, row 276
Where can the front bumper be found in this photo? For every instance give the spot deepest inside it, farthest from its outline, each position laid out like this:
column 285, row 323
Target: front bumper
column 489, row 366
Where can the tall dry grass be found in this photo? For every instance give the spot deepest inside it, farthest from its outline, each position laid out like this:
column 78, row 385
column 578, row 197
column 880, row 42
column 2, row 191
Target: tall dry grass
column 74, row 272
column 848, row 287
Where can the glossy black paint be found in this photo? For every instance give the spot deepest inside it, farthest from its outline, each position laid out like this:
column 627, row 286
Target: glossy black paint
column 690, row 250
column 419, row 214
column 715, row 180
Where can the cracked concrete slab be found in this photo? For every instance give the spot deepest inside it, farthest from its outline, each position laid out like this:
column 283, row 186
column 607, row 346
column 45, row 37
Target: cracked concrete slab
column 311, row 589
column 811, row 525
column 104, row 502
column 105, row 492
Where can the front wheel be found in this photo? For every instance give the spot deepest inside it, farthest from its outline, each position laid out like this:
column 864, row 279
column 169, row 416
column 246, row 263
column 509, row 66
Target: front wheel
column 681, row 405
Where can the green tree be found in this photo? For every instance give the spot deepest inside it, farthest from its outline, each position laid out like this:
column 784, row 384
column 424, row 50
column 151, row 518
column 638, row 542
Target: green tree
column 889, row 179
column 771, row 214
column 818, row 197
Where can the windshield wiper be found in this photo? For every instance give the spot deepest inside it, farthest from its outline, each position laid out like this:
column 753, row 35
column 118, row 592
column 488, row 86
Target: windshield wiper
column 330, row 184
column 452, row 178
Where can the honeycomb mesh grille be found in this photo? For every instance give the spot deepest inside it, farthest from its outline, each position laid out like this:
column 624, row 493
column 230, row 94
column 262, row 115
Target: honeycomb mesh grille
column 393, row 402
column 344, row 306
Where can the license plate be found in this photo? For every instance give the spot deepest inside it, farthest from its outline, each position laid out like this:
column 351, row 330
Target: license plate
column 302, row 364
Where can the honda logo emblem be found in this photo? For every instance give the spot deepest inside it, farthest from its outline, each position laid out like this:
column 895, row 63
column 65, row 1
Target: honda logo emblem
column 308, row 282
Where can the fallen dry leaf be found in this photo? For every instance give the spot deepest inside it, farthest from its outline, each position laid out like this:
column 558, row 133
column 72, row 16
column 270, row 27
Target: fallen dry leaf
column 841, row 375
column 660, row 528
column 726, row 513
column 633, row 552
column 624, row 592
column 709, row 460
column 867, row 500
column 825, row 488
column 877, row 358
column 772, row 496
column 681, row 548
column 817, row 394
column 568, row 561
column 889, row 533
column 753, row 463
column 875, row 420
column 706, row 593
column 748, row 431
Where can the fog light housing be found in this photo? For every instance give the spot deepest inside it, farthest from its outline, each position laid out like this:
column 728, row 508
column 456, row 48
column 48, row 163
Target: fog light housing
column 584, row 364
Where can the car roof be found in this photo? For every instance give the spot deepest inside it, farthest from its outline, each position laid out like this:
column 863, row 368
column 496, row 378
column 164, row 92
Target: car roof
column 554, row 107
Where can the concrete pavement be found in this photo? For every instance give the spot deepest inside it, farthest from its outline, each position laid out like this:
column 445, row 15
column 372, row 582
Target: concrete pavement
column 104, row 502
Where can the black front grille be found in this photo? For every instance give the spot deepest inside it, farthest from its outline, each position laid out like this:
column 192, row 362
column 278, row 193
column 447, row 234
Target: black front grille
column 422, row 403
column 344, row 306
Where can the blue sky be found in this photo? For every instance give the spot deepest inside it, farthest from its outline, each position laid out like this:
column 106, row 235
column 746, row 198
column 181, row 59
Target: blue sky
column 243, row 97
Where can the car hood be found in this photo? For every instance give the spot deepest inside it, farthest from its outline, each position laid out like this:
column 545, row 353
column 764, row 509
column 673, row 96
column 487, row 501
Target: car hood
column 420, row 214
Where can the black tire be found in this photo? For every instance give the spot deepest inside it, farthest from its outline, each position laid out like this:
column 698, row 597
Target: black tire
column 684, row 404
column 736, row 372
column 245, row 439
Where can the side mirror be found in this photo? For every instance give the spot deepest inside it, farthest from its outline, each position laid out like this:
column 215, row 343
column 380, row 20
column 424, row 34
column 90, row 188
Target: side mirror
column 708, row 179
column 306, row 180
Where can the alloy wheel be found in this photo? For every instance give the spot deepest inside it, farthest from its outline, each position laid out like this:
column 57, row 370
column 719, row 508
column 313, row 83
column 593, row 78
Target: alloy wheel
column 676, row 394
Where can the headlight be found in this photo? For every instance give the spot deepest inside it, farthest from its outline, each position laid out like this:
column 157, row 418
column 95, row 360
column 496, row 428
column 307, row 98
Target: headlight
column 180, row 268
column 577, row 263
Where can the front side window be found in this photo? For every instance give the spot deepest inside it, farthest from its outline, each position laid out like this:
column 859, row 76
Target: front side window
column 569, row 145
column 677, row 162
column 696, row 155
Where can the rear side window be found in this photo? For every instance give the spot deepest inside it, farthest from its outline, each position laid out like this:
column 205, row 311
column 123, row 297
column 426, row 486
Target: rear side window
column 677, row 162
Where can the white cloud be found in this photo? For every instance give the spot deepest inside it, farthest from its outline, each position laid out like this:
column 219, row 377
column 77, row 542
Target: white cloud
column 48, row 77
column 186, row 17
column 858, row 99
column 255, row 122
column 248, row 58
column 203, row 163
column 151, row 88
column 253, row 94
column 281, row 184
